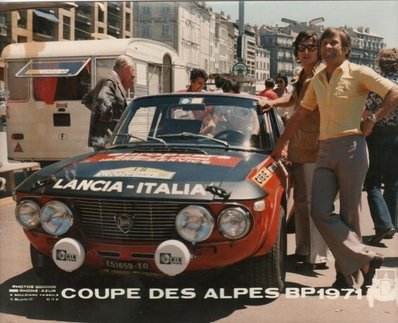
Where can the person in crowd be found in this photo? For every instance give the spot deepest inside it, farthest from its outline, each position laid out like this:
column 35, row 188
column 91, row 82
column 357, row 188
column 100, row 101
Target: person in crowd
column 383, row 157
column 302, row 153
column 281, row 85
column 107, row 100
column 339, row 91
column 218, row 82
column 231, row 86
column 268, row 92
column 197, row 80
column 281, row 90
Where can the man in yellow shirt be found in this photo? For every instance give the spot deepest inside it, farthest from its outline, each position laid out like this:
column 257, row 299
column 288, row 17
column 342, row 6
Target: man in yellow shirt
column 340, row 91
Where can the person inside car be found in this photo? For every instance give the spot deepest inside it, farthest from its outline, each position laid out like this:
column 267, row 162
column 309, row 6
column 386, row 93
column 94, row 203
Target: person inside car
column 235, row 119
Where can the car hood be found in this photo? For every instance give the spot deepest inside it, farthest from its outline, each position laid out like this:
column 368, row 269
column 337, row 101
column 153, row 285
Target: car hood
column 150, row 175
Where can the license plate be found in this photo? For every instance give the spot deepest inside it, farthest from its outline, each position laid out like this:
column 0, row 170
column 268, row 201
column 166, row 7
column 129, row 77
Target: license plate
column 124, row 265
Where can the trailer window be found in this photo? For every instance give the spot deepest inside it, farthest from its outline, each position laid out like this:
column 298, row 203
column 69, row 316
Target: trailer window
column 50, row 89
column 104, row 66
column 18, row 87
column 53, row 80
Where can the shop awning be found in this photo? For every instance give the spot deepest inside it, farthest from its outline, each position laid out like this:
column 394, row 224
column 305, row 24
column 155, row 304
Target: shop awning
column 46, row 15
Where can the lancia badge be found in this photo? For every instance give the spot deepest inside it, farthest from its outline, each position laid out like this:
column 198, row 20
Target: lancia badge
column 124, row 222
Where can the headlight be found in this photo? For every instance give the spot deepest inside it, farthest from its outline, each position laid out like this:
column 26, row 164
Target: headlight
column 27, row 214
column 234, row 223
column 194, row 223
column 56, row 218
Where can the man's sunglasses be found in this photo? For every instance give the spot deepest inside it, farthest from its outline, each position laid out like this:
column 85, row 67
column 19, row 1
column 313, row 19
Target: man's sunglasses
column 311, row 48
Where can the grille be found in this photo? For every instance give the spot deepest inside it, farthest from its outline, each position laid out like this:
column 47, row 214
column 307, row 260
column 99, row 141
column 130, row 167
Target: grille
column 150, row 221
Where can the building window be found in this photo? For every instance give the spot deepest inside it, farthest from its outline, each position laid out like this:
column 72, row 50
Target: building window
column 146, row 11
column 22, row 19
column 101, row 16
column 101, row 12
column 165, row 10
column 66, row 28
column 127, row 24
column 22, row 39
column 145, row 31
column 165, row 31
column 43, row 23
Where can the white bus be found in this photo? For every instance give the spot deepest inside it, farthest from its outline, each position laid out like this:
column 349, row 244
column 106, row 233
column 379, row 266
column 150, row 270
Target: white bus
column 46, row 81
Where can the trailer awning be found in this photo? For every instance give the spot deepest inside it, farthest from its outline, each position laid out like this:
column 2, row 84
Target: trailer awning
column 52, row 68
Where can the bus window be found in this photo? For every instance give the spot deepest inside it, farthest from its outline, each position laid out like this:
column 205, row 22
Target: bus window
column 17, row 87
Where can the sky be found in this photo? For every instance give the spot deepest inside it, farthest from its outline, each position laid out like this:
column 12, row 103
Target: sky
column 381, row 17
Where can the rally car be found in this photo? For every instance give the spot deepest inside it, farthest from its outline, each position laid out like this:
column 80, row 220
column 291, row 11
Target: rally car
column 185, row 184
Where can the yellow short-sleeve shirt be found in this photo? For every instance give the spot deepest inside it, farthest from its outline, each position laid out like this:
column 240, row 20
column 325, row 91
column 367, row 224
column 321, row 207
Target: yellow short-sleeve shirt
column 341, row 101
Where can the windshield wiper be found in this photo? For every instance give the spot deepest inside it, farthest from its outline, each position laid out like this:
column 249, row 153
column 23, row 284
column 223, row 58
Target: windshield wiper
column 194, row 135
column 141, row 139
column 130, row 136
column 158, row 139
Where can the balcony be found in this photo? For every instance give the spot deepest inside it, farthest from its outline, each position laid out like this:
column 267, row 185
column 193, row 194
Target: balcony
column 113, row 5
column 83, row 17
column 285, row 59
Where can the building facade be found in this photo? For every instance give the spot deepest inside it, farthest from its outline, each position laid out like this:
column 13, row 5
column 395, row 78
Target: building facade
column 88, row 20
column 366, row 46
column 279, row 44
column 202, row 38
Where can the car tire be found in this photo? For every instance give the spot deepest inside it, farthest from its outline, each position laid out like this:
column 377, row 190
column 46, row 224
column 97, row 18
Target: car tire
column 268, row 271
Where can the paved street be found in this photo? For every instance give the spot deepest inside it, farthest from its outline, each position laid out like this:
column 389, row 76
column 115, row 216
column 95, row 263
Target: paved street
column 15, row 271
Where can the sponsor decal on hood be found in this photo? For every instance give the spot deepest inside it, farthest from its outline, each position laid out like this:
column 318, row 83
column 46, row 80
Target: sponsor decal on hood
column 137, row 172
column 213, row 160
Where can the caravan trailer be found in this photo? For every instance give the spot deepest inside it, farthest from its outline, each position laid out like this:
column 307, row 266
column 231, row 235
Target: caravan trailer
column 46, row 81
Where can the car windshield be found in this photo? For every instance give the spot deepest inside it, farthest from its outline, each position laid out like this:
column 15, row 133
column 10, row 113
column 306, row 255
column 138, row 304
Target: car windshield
column 217, row 120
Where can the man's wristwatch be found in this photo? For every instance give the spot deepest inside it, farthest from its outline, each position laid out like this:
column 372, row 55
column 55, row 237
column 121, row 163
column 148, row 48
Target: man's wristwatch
column 372, row 117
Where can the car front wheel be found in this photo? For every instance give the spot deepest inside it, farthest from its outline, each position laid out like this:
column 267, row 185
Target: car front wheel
column 268, row 270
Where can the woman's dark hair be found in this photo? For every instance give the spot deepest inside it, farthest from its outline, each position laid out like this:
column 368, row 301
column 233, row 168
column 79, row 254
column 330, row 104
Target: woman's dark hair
column 303, row 36
column 345, row 37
